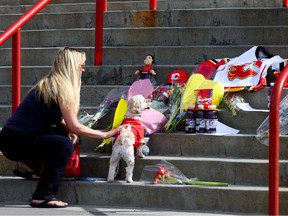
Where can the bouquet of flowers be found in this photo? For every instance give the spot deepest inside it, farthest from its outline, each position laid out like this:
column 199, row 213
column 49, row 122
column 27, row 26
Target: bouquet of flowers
column 177, row 116
column 161, row 94
column 109, row 102
column 230, row 101
column 167, row 173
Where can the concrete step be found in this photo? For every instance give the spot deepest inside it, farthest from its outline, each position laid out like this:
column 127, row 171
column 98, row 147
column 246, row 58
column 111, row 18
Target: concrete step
column 90, row 95
column 133, row 55
column 60, row 7
column 164, row 18
column 197, row 3
column 258, row 99
column 179, row 144
column 236, row 199
column 245, row 122
column 123, row 75
column 202, row 145
column 6, row 111
column 158, row 36
column 104, row 123
column 182, row 36
column 138, row 5
column 103, row 75
column 32, row 2
column 232, row 171
column 77, row 7
column 197, row 17
column 230, row 146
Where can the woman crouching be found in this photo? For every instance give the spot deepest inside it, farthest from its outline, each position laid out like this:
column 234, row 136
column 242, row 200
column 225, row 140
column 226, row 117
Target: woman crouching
column 27, row 136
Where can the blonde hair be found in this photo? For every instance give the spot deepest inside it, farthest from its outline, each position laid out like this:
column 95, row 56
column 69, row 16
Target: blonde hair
column 62, row 85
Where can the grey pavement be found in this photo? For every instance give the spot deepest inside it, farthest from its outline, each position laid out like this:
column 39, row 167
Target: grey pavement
column 21, row 209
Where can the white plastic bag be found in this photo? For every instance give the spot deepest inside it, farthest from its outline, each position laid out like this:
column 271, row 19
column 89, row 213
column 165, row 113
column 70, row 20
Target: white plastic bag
column 263, row 129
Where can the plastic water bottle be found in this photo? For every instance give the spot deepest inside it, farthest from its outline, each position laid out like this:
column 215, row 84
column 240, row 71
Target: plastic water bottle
column 190, row 119
column 269, row 94
column 200, row 120
column 211, row 119
column 146, row 149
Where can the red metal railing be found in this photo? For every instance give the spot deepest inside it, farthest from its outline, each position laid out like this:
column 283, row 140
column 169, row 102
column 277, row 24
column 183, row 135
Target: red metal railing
column 14, row 31
column 274, row 140
column 101, row 7
column 153, row 4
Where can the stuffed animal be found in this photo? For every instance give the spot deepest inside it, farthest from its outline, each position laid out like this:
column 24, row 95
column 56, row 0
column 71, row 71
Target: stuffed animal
column 130, row 138
column 147, row 71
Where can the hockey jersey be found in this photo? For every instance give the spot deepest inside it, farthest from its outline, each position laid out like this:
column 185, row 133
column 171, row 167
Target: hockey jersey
column 247, row 70
column 145, row 71
column 137, row 129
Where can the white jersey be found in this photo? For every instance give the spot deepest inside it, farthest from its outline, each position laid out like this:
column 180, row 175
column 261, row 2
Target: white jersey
column 246, row 70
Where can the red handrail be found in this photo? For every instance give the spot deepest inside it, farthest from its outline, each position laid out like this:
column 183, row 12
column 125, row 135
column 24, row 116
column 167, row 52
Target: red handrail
column 14, row 31
column 274, row 140
column 153, row 5
column 101, row 7
column 23, row 20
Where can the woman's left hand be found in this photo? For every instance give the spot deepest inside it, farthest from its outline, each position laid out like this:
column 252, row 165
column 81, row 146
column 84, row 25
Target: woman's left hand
column 74, row 138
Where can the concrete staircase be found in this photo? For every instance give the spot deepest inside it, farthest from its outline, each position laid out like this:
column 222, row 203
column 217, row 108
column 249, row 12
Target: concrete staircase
column 181, row 34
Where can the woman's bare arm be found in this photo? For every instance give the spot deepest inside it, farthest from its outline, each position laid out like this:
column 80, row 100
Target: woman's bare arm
column 74, row 126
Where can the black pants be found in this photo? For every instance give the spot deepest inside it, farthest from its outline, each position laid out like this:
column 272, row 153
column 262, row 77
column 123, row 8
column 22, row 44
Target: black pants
column 52, row 149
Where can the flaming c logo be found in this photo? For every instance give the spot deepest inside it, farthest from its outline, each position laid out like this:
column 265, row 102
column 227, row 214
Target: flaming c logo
column 243, row 71
column 175, row 76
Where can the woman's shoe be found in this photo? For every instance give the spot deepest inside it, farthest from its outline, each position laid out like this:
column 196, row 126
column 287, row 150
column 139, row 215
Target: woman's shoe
column 45, row 204
column 26, row 175
column 24, row 171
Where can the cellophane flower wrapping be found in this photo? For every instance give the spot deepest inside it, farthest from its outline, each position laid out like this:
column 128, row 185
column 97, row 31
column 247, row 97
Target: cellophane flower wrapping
column 166, row 173
column 263, row 129
column 143, row 87
column 163, row 173
column 109, row 102
column 153, row 120
column 166, row 100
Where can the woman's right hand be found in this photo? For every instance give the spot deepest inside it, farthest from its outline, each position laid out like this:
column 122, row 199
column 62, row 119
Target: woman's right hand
column 113, row 132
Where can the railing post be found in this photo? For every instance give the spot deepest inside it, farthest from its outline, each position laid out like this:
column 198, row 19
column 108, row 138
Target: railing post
column 101, row 7
column 16, row 70
column 274, row 140
column 105, row 9
column 153, row 5
column 285, row 3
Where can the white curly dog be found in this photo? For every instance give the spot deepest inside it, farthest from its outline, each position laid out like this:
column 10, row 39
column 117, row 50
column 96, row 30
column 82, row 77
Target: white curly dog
column 130, row 137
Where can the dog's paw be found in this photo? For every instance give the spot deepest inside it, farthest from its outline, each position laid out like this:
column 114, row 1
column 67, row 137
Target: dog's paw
column 110, row 180
column 129, row 180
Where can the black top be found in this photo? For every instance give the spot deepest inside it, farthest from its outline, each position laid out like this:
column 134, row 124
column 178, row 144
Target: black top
column 33, row 115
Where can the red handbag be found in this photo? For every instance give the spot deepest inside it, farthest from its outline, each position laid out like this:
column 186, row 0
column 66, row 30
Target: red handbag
column 73, row 166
